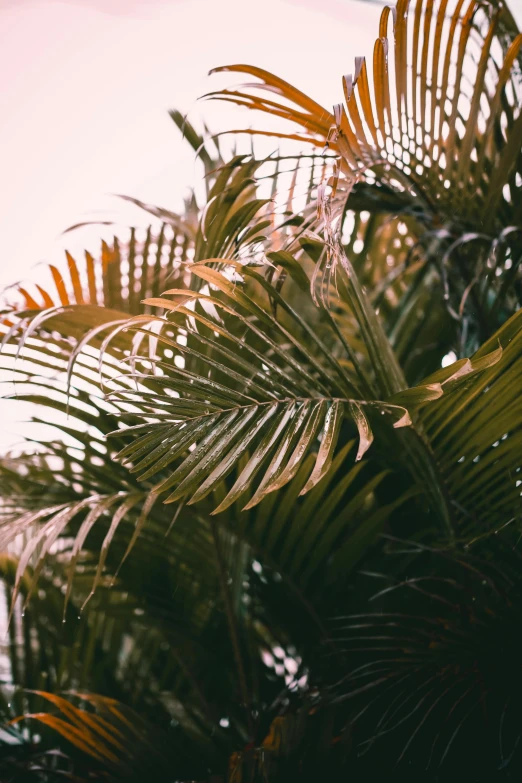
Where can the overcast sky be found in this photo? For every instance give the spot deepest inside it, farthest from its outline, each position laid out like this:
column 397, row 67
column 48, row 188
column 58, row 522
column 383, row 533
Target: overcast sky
column 86, row 85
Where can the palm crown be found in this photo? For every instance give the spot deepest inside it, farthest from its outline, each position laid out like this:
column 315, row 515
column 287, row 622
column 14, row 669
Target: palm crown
column 258, row 438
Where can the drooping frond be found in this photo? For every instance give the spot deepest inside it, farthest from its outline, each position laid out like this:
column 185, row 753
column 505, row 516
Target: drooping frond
column 247, row 387
column 476, row 434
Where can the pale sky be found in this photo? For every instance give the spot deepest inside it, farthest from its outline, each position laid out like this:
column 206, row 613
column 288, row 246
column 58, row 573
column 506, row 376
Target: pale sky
column 86, row 85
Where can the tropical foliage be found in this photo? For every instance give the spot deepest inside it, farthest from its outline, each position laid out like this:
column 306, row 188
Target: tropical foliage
column 275, row 533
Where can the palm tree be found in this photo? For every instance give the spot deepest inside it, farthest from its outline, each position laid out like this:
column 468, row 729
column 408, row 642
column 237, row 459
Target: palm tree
column 280, row 525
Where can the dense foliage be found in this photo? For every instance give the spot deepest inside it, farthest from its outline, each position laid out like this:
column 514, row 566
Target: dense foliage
column 277, row 538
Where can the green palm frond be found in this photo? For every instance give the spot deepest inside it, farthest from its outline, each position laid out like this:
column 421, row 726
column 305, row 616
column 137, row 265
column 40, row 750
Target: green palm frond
column 476, row 434
column 242, row 404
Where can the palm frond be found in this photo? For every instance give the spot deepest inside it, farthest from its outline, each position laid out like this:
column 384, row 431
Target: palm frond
column 398, row 122
column 244, row 403
column 432, row 148
column 476, row 434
